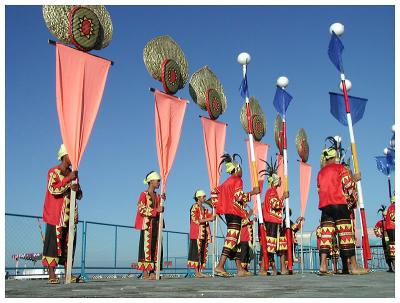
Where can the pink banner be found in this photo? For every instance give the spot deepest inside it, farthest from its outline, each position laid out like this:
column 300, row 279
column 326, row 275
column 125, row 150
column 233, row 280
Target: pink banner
column 305, row 177
column 80, row 80
column 214, row 134
column 260, row 153
column 281, row 174
column 169, row 113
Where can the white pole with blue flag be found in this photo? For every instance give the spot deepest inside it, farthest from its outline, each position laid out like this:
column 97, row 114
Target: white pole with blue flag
column 281, row 102
column 335, row 55
column 244, row 59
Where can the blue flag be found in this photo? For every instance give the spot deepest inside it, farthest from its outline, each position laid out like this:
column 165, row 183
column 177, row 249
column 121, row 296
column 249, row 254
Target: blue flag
column 244, row 90
column 383, row 165
column 391, row 158
column 335, row 50
column 281, row 100
column 338, row 108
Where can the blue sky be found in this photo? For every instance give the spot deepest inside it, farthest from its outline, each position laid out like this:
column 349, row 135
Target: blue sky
column 282, row 40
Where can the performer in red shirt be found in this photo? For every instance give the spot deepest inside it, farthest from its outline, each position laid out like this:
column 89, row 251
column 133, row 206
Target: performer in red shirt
column 147, row 219
column 56, row 214
column 337, row 198
column 231, row 200
column 272, row 215
column 200, row 234
column 282, row 247
column 381, row 232
column 390, row 227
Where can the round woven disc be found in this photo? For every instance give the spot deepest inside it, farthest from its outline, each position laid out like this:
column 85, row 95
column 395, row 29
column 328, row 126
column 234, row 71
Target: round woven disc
column 213, row 103
column 84, row 28
column 170, row 76
column 258, row 127
column 304, row 151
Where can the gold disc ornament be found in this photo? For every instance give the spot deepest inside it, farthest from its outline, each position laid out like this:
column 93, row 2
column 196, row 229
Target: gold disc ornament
column 84, row 28
column 207, row 92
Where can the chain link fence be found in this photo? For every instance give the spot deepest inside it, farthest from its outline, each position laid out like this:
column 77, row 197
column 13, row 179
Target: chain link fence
column 110, row 250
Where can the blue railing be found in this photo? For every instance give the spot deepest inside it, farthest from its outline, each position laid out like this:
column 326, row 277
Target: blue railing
column 104, row 248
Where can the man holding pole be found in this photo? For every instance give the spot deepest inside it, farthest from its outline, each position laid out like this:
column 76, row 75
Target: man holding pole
column 231, row 202
column 272, row 214
column 147, row 221
column 337, row 191
column 56, row 214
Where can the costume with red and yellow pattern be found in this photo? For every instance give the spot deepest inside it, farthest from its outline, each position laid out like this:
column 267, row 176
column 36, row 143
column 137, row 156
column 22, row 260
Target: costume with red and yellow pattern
column 337, row 199
column 272, row 214
column 246, row 242
column 147, row 219
column 390, row 228
column 231, row 200
column 56, row 214
column 200, row 236
column 282, row 241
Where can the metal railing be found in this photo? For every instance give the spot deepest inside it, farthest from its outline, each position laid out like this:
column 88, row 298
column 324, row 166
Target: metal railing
column 104, row 248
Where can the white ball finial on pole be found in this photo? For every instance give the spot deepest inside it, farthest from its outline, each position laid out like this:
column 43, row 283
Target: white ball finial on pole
column 337, row 28
column 338, row 138
column 282, row 82
column 393, row 128
column 386, row 151
column 244, row 58
column 348, row 85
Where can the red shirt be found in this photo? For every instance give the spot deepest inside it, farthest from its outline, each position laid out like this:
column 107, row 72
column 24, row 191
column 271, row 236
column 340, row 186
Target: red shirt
column 390, row 217
column 146, row 210
column 335, row 185
column 246, row 231
column 58, row 188
column 273, row 206
column 378, row 229
column 199, row 230
column 231, row 197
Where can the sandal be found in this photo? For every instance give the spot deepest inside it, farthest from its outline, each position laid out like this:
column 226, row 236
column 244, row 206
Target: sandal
column 223, row 274
column 324, row 273
column 77, row 279
column 53, row 281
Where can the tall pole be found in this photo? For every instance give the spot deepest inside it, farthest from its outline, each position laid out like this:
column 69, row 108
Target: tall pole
column 244, row 60
column 71, row 235
column 214, row 247
column 282, row 82
column 159, row 239
column 287, row 204
column 364, row 232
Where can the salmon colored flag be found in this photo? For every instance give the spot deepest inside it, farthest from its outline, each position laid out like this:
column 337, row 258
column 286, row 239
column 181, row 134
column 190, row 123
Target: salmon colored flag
column 80, row 80
column 214, row 134
column 169, row 113
column 281, row 174
column 305, row 177
column 260, row 153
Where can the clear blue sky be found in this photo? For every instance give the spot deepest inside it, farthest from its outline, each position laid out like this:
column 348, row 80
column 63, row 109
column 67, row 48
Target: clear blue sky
column 282, row 40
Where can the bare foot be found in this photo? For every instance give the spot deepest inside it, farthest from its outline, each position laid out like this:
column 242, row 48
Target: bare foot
column 359, row 271
column 243, row 273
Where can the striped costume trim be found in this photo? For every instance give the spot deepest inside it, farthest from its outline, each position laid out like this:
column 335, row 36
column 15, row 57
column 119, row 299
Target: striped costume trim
column 149, row 266
column 49, row 261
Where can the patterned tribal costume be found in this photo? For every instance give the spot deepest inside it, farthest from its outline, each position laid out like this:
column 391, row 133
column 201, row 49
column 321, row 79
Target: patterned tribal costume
column 381, row 232
column 282, row 242
column 56, row 215
column 231, row 201
column 337, row 191
column 246, row 242
column 147, row 219
column 200, row 236
column 272, row 214
column 390, row 228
